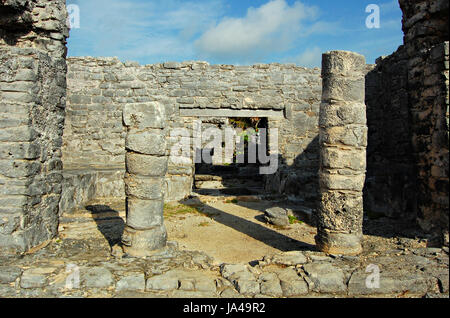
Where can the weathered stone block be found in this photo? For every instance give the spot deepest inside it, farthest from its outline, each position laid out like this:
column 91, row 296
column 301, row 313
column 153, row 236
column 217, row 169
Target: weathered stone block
column 131, row 282
column 343, row 89
column 24, row 150
column 143, row 243
column 336, row 158
column 18, row 134
column 18, row 168
column 290, row 258
column 35, row 277
column 351, row 135
column 292, row 284
column 248, row 287
column 149, row 142
column 9, row 274
column 145, row 165
column 326, row 277
column 389, row 284
column 343, row 63
column 144, row 115
column 148, row 188
column 337, row 243
column 144, row 214
column 270, row 285
column 340, row 211
column 332, row 115
column 277, row 216
column 162, row 282
column 342, row 182
column 96, row 277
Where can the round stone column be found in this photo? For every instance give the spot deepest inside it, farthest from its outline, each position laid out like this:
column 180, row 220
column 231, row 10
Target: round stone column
column 343, row 141
column 146, row 167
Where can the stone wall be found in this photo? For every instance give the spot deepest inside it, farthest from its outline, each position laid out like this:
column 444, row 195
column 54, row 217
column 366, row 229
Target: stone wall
column 32, row 94
column 390, row 187
column 408, row 107
column 288, row 95
column 428, row 80
column 425, row 25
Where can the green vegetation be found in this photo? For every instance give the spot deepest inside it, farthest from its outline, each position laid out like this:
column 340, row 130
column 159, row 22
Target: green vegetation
column 293, row 220
column 180, row 209
column 245, row 123
column 171, row 210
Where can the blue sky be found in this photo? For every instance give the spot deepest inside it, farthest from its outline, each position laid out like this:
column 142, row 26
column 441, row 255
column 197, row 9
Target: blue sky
column 241, row 32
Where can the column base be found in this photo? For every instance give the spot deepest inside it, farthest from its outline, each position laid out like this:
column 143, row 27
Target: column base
column 142, row 243
column 338, row 243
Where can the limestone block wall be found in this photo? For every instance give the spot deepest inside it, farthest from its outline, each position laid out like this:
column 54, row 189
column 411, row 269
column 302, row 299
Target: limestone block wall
column 390, row 187
column 428, row 79
column 98, row 88
column 38, row 24
column 32, row 95
column 407, row 106
column 425, row 25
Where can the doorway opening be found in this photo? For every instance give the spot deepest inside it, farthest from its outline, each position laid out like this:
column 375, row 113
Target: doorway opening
column 241, row 176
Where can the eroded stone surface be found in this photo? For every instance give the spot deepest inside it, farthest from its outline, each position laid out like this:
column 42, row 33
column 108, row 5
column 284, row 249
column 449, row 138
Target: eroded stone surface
column 326, row 277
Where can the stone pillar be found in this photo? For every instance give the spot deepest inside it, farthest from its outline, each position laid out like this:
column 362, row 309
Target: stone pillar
column 146, row 167
column 343, row 141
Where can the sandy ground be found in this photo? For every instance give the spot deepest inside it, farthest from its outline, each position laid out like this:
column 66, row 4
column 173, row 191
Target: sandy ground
column 229, row 230
column 235, row 232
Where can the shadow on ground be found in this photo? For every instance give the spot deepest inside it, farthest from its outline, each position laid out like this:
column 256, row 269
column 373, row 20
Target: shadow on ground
column 108, row 221
column 256, row 231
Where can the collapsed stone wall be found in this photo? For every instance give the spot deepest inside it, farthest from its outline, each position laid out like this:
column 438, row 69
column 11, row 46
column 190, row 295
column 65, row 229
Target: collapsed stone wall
column 98, row 89
column 32, row 91
column 407, row 100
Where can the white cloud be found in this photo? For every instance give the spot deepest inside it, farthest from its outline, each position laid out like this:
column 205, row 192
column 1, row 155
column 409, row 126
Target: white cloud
column 141, row 29
column 271, row 28
column 151, row 31
column 311, row 57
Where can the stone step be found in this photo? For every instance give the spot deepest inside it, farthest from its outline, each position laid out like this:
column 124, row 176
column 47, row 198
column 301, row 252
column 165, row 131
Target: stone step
column 224, row 177
column 228, row 183
column 228, row 169
column 230, row 191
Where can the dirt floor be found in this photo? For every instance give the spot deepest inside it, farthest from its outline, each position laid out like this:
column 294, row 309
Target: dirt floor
column 233, row 230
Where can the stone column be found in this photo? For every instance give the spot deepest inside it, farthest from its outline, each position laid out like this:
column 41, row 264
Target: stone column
column 146, row 167
column 343, row 141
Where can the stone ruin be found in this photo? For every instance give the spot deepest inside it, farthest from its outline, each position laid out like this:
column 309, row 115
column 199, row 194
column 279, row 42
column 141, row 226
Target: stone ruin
column 78, row 128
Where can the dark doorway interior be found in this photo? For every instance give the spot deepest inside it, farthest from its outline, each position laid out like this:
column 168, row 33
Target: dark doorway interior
column 241, row 177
